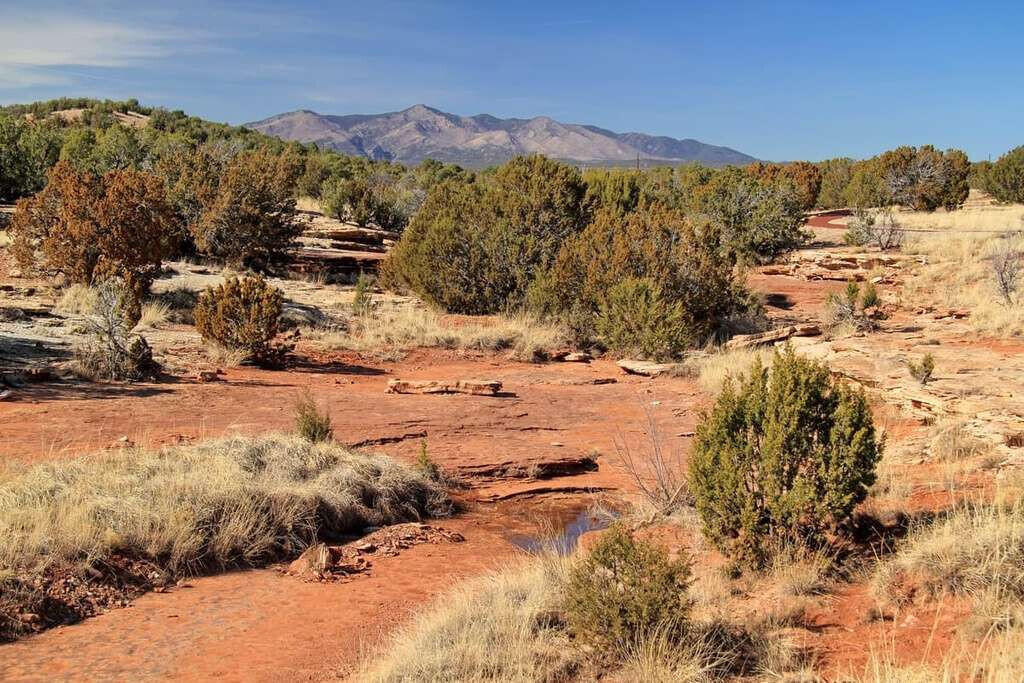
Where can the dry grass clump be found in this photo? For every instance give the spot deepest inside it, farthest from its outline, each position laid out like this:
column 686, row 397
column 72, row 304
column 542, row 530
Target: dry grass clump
column 179, row 303
column 509, row 626
column 976, row 214
column 309, row 204
column 713, row 369
column 499, row 627
column 77, row 299
column 999, row 658
column 154, row 314
column 953, row 441
column 975, row 549
column 960, row 274
column 389, row 332
column 231, row 501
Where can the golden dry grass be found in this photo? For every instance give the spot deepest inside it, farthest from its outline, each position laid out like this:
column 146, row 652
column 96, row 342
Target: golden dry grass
column 507, row 626
column 974, row 550
column 491, row 628
column 77, row 299
column 978, row 213
column 190, row 508
column 998, row 658
column 959, row 274
column 391, row 331
column 154, row 314
column 721, row 364
column 308, row 204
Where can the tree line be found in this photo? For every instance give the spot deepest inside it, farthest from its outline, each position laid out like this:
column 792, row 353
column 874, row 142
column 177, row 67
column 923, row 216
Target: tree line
column 645, row 260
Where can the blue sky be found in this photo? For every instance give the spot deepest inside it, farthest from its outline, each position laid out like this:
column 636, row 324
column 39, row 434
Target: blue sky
column 778, row 80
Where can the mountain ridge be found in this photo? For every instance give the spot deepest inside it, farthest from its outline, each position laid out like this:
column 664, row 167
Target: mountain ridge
column 420, row 132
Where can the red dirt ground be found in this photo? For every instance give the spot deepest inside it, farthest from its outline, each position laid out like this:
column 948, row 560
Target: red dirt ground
column 290, row 629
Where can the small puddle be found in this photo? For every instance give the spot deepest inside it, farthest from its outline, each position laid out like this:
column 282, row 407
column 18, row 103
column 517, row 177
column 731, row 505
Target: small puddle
column 562, row 537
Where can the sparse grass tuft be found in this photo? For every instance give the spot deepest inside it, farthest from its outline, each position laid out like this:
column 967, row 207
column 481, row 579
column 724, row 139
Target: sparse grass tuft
column 154, row 314
column 77, row 299
column 312, row 423
column 954, row 442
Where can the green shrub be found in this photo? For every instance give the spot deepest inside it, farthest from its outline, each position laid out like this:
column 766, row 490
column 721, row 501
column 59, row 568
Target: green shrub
column 835, row 176
column 636, row 319
column 362, row 297
column 311, row 423
column 756, row 220
column 851, row 306
column 869, row 296
column 251, row 221
column 922, row 371
column 425, row 464
column 625, row 591
column 475, row 247
column 1004, row 180
column 782, row 459
column 242, row 314
column 654, row 243
column 859, row 231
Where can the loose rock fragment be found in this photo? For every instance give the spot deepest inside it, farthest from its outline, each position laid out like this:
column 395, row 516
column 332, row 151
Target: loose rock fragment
column 476, row 387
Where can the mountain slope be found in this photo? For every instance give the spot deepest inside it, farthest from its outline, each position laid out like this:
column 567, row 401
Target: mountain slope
column 421, row 132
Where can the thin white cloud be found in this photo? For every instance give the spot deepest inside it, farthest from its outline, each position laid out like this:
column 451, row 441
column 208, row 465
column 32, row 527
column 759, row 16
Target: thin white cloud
column 12, row 76
column 35, row 49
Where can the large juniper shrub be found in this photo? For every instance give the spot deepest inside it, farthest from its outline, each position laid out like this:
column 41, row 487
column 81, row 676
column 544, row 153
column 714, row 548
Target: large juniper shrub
column 783, row 457
column 475, row 247
column 252, row 220
column 242, row 314
column 654, row 243
column 91, row 228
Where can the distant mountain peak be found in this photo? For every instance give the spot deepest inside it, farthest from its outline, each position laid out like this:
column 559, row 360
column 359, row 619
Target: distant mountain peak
column 420, row 132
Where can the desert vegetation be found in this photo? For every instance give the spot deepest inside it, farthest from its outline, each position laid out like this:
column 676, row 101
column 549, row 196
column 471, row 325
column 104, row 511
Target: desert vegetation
column 782, row 459
column 242, row 315
column 758, row 520
column 183, row 510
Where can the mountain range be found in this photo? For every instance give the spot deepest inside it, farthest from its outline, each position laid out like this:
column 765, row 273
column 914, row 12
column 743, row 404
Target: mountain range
column 421, row 132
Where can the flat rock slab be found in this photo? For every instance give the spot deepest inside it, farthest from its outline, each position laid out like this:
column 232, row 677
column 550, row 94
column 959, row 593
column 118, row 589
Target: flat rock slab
column 643, row 367
column 476, row 387
column 746, row 341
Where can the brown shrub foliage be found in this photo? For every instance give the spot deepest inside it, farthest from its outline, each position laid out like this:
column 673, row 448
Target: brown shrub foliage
column 92, row 228
column 242, row 314
column 252, row 221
